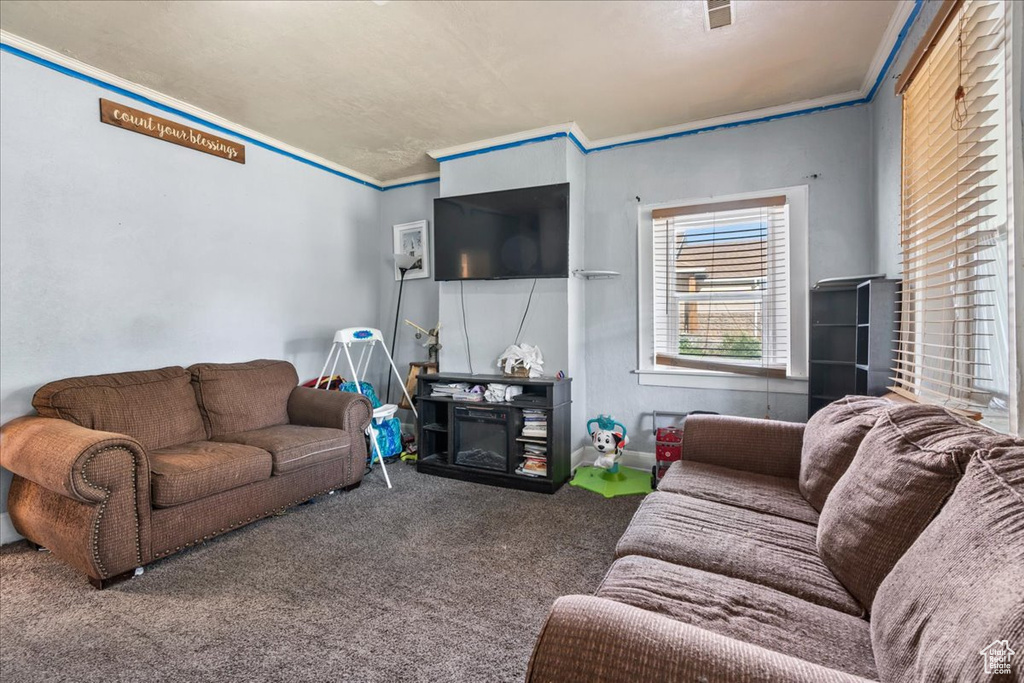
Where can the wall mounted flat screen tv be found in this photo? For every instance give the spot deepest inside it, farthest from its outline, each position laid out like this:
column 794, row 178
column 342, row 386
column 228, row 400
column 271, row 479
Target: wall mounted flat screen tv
column 505, row 235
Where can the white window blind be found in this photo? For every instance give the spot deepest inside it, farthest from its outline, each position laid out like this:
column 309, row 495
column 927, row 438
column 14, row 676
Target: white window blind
column 721, row 286
column 954, row 216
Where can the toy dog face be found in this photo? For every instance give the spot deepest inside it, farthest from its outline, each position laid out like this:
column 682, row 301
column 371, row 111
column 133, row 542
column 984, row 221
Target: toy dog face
column 606, row 441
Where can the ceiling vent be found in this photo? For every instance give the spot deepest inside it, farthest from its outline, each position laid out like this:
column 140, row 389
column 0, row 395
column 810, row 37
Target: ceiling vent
column 719, row 13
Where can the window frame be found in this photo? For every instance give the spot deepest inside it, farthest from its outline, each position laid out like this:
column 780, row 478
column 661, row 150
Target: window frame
column 795, row 381
column 1015, row 215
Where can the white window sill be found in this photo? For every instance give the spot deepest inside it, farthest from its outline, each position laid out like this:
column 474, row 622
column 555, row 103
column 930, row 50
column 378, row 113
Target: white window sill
column 721, row 381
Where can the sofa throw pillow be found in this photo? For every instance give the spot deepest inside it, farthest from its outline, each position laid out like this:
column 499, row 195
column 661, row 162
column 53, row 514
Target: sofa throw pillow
column 239, row 397
column 831, row 439
column 905, row 469
column 955, row 600
column 157, row 408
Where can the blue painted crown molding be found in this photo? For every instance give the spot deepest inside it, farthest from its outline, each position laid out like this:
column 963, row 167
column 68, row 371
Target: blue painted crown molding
column 568, row 133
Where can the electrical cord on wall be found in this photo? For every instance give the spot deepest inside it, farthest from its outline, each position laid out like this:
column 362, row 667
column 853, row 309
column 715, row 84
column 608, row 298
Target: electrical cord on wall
column 527, row 311
column 465, row 327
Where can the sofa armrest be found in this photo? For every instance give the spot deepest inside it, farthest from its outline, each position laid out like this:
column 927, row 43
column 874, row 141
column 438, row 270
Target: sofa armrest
column 590, row 639
column 53, row 453
column 742, row 443
column 82, row 493
column 337, row 409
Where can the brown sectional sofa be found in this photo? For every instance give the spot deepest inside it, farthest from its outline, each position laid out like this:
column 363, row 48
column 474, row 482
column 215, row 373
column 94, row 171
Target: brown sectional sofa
column 880, row 542
column 119, row 470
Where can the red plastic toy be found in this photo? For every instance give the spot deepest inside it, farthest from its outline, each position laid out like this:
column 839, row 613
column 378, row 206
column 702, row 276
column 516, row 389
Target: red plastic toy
column 668, row 442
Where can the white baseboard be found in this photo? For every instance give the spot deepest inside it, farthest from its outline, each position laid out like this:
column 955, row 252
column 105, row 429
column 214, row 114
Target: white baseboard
column 7, row 532
column 637, row 460
column 576, row 459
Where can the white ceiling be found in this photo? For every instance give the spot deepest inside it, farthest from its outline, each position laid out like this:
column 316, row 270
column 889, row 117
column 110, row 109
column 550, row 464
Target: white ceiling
column 373, row 87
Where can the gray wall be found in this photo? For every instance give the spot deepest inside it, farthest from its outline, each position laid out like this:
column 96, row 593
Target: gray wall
column 494, row 309
column 835, row 145
column 576, row 290
column 122, row 252
column 420, row 297
column 840, row 146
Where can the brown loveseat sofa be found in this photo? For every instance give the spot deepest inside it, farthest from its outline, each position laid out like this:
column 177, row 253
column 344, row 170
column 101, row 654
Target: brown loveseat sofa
column 120, row 470
column 881, row 542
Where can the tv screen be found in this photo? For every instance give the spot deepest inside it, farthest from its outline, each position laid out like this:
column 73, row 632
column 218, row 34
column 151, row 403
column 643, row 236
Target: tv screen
column 503, row 235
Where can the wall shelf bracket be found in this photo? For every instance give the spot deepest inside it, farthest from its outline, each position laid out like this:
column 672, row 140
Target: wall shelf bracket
column 596, row 274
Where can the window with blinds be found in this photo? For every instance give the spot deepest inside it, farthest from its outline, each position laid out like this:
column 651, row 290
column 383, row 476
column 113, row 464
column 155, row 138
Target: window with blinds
column 952, row 344
column 720, row 286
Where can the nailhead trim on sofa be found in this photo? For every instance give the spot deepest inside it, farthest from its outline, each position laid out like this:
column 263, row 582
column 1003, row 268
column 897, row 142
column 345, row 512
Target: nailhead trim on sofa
column 103, row 505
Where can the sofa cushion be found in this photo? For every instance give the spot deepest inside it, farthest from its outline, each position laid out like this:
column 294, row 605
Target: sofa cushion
column 157, row 408
column 905, row 469
column 238, row 397
column 199, row 469
column 294, row 447
column 831, row 439
column 744, row 611
column 960, row 586
column 758, row 492
column 771, row 551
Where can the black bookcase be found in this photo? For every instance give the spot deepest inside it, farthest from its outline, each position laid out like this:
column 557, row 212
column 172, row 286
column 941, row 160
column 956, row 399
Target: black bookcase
column 450, row 428
column 853, row 332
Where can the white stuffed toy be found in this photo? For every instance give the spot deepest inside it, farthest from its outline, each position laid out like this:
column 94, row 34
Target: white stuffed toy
column 609, row 445
column 609, row 439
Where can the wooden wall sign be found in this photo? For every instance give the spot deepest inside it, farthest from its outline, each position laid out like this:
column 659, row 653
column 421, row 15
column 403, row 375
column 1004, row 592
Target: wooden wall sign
column 155, row 127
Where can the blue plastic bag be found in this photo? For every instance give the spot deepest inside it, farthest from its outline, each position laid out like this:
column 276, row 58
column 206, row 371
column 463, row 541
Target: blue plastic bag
column 389, row 432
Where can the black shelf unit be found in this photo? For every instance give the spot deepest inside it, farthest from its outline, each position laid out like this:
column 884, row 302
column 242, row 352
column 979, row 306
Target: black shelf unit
column 439, row 428
column 853, row 328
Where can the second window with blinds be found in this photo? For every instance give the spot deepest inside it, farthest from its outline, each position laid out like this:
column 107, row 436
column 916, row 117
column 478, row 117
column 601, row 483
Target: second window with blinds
column 954, row 343
column 721, row 286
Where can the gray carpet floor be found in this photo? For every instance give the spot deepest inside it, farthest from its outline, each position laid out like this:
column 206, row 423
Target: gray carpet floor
column 436, row 580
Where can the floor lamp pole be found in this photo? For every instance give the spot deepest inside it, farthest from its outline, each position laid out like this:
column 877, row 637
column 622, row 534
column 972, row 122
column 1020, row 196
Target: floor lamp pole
column 394, row 332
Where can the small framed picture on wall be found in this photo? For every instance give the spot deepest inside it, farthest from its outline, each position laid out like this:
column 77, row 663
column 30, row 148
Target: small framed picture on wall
column 412, row 239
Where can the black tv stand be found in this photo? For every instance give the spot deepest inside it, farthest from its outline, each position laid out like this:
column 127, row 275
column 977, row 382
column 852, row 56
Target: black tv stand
column 484, row 442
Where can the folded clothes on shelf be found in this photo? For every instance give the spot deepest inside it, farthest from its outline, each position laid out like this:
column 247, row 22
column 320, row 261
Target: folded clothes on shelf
column 497, row 392
column 459, row 391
